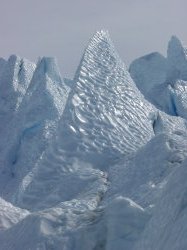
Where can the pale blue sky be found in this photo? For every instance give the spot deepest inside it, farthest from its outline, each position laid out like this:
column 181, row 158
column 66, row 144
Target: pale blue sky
column 59, row 28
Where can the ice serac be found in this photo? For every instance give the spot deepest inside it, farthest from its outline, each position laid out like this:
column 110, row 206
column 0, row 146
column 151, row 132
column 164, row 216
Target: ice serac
column 41, row 109
column 15, row 77
column 148, row 71
column 45, row 93
column 163, row 81
column 35, row 123
column 105, row 118
column 105, row 108
column 177, row 60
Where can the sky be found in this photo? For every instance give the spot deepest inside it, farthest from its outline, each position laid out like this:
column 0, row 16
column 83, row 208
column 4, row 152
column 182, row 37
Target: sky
column 62, row 29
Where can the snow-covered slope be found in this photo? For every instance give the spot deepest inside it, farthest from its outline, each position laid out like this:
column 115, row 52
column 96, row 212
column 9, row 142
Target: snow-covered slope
column 90, row 163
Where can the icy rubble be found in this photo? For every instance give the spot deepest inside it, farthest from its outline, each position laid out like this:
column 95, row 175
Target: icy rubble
column 89, row 163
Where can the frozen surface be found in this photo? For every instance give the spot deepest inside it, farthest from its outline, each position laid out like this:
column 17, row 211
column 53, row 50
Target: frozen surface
column 15, row 76
column 33, row 125
column 167, row 228
column 149, row 71
column 95, row 127
column 97, row 162
column 163, row 80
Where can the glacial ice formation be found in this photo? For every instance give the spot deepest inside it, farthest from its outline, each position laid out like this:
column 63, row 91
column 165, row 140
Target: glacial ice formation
column 163, row 80
column 97, row 162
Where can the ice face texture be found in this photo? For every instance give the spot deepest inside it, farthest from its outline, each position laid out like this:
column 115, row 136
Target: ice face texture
column 104, row 120
column 91, row 163
column 105, row 113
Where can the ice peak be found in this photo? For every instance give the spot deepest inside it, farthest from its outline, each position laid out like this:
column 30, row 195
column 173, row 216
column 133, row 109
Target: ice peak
column 101, row 52
column 175, row 39
column 102, row 34
column 177, row 60
column 13, row 58
column 175, row 47
column 48, row 66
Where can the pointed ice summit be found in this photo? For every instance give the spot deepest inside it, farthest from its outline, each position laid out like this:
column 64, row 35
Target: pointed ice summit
column 99, row 111
column 177, row 60
column 105, row 118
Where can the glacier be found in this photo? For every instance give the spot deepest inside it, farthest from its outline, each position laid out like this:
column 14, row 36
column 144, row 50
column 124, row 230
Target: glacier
column 97, row 162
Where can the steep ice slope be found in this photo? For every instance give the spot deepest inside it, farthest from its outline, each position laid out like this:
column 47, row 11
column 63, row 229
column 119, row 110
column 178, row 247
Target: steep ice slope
column 103, row 103
column 177, row 60
column 167, row 228
column 105, row 118
column 167, row 88
column 34, row 124
column 147, row 170
column 136, row 185
column 15, row 77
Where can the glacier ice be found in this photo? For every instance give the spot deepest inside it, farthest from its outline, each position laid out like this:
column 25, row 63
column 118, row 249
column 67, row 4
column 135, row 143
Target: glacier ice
column 167, row 228
column 34, row 123
column 177, row 60
column 162, row 80
column 149, row 71
column 95, row 128
column 97, row 162
column 15, row 76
